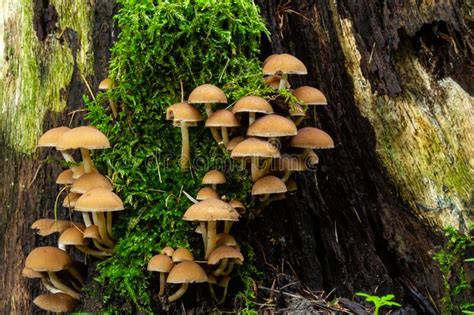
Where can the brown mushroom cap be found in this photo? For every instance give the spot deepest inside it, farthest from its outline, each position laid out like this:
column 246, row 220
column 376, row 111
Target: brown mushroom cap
column 50, row 138
column 183, row 112
column 160, row 263
column 90, row 181
column 48, row 226
column 55, row 302
column 78, row 171
column 65, row 177
column 312, row 138
column 272, row 126
column 187, row 272
column 31, row 274
column 233, row 142
column 70, row 200
column 222, row 252
column 99, row 199
column 182, row 254
column 106, row 84
column 167, row 250
column 296, row 110
column 213, row 177
column 73, row 236
column 211, row 210
column 207, row 93
column 207, row 193
column 48, row 258
column 222, row 118
column 92, row 231
column 87, row 137
column 310, row 95
column 255, row 147
column 268, row 58
column 284, row 63
column 224, row 239
column 252, row 104
column 289, row 163
column 268, row 185
column 238, row 205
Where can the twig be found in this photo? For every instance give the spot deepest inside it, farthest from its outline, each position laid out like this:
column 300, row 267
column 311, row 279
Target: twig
column 88, row 86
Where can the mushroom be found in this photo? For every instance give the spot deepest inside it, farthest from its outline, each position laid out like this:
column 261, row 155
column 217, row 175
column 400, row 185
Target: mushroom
column 84, row 138
column 168, row 251
column 224, row 239
column 55, row 302
column 50, row 139
column 31, row 274
column 207, row 193
column 213, row 178
column 221, row 255
column 182, row 254
column 210, row 211
column 268, row 185
column 48, row 226
column 271, row 126
column 98, row 201
column 75, row 236
column 93, row 233
column 310, row 138
column 87, row 182
column 105, row 85
column 238, row 205
column 233, row 142
column 273, row 81
column 185, row 273
column 65, row 177
column 70, row 200
column 284, row 64
column 252, row 105
column 308, row 95
column 208, row 94
column 184, row 114
column 224, row 283
column 223, row 119
column 51, row 260
column 162, row 264
column 297, row 113
column 256, row 149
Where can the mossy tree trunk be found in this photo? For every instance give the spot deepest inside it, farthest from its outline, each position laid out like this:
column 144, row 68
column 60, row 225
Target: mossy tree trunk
column 398, row 78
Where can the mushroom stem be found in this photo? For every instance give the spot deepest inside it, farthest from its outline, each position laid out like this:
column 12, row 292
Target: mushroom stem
column 252, row 116
column 254, row 168
column 227, row 226
column 86, row 159
column 61, row 246
column 100, row 247
column 208, row 108
column 283, row 81
column 113, row 107
column 86, row 250
column 162, row 284
column 99, row 220
column 211, row 238
column 204, row 234
column 265, row 198
column 286, row 175
column 73, row 271
column 109, row 224
column 184, row 163
column 61, row 286
column 306, row 152
column 224, row 295
column 216, row 135
column 225, row 135
column 67, row 156
column 213, row 293
column 87, row 219
column 221, row 268
column 230, row 266
column 47, row 284
column 299, row 119
column 178, row 293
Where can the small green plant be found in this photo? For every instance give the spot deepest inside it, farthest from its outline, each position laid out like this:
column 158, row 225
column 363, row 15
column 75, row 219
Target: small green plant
column 379, row 301
column 450, row 259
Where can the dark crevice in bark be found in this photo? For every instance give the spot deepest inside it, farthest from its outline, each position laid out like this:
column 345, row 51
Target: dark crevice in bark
column 45, row 19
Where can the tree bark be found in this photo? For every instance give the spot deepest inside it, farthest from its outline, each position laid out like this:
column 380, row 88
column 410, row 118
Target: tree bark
column 398, row 77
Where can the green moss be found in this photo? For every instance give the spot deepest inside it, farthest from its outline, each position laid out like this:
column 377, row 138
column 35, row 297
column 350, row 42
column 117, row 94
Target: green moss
column 35, row 73
column 161, row 45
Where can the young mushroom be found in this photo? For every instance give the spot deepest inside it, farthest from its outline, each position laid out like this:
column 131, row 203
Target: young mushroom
column 185, row 273
column 211, row 211
column 184, row 114
column 55, row 302
column 284, row 64
column 309, row 96
column 268, row 185
column 168, row 251
column 182, row 254
column 222, row 255
column 105, row 85
column 207, row 193
column 208, row 94
column 213, row 178
column 252, row 105
column 50, row 139
column 223, row 119
column 74, row 236
column 310, row 138
column 162, row 264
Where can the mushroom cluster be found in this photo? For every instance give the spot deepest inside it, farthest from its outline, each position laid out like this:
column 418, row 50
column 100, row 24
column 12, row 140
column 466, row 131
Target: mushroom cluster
column 222, row 252
column 88, row 192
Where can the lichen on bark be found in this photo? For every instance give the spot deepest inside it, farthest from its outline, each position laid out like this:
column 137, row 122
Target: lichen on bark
column 424, row 134
column 35, row 74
